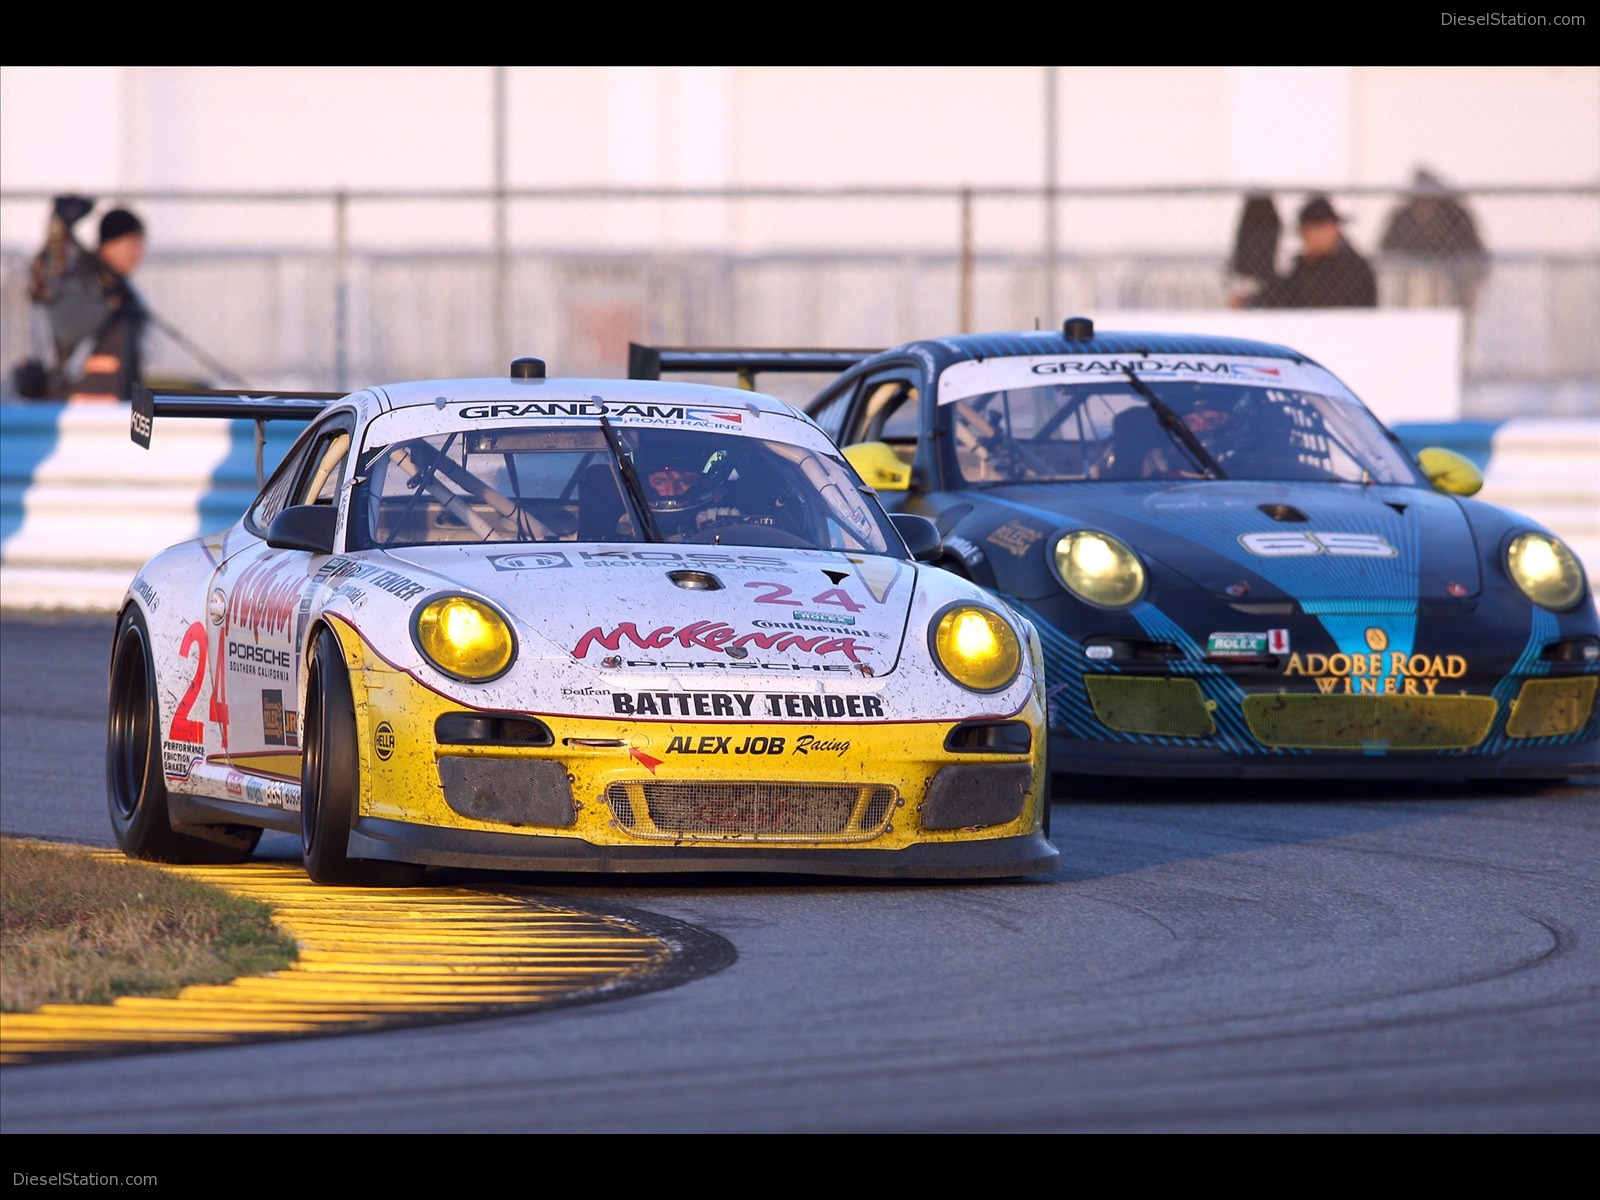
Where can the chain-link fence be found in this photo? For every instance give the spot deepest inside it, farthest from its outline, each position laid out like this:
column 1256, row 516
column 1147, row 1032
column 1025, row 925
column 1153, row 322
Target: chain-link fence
column 335, row 290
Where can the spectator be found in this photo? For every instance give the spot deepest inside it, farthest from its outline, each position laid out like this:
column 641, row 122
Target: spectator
column 1327, row 273
column 96, row 318
column 1254, row 262
column 1436, row 232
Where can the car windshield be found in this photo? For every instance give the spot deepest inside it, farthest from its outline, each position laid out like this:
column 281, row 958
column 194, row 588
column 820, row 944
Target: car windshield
column 1112, row 429
column 521, row 484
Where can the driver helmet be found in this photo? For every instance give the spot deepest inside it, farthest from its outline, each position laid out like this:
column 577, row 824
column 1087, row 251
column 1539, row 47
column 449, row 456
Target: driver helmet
column 682, row 476
column 1204, row 416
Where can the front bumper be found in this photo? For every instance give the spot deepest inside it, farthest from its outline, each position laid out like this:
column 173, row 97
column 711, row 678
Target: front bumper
column 1214, row 723
column 448, row 785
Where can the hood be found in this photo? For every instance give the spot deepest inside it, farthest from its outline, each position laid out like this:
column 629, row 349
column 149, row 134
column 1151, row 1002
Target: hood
column 1312, row 541
column 647, row 609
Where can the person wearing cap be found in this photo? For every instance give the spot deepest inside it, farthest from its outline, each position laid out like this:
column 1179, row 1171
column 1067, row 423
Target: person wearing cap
column 1434, row 237
column 96, row 317
column 1327, row 273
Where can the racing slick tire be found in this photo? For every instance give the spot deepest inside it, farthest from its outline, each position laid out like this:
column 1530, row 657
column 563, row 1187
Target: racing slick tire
column 330, row 779
column 136, row 787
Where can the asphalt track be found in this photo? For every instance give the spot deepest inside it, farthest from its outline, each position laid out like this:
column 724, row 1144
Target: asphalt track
column 1419, row 958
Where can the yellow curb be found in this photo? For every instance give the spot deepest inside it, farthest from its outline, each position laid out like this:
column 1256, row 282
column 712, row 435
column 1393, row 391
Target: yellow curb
column 369, row 959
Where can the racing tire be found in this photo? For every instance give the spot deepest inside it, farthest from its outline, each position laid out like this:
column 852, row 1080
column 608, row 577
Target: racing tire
column 136, row 787
column 330, row 779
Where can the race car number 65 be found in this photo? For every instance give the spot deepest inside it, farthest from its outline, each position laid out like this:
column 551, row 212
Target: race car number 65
column 1288, row 545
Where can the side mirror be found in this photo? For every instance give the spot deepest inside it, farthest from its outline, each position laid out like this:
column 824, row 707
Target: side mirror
column 879, row 466
column 1450, row 472
column 304, row 527
column 921, row 536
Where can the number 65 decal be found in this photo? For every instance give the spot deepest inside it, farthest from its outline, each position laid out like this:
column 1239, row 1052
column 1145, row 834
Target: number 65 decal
column 1291, row 545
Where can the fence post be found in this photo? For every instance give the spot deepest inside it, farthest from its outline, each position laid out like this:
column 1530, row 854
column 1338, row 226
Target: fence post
column 966, row 260
column 341, row 289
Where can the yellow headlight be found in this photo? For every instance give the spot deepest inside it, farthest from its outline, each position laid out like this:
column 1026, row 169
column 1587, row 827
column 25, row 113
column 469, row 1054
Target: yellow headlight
column 464, row 637
column 1099, row 568
column 977, row 647
column 1546, row 571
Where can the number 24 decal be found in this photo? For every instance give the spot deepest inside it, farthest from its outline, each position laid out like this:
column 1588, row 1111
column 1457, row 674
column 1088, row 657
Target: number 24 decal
column 778, row 593
column 185, row 728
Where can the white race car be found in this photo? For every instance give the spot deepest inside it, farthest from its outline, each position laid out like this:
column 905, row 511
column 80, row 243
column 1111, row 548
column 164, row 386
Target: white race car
column 570, row 625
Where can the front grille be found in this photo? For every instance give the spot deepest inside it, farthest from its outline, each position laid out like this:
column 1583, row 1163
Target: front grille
column 1158, row 707
column 757, row 811
column 1300, row 721
column 1551, row 707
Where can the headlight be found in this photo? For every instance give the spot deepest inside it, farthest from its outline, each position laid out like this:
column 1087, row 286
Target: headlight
column 976, row 646
column 464, row 638
column 1099, row 568
column 1546, row 571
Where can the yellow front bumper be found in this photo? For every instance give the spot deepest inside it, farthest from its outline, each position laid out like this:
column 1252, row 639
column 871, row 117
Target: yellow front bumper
column 776, row 788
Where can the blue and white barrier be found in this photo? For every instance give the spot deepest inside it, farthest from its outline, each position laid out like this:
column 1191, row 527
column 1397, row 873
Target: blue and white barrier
column 82, row 506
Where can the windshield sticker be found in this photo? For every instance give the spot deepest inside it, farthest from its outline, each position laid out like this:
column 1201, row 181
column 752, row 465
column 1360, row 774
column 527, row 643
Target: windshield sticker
column 963, row 380
column 645, row 413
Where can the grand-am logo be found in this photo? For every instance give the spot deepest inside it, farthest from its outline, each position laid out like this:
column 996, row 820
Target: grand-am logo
column 717, row 636
column 1143, row 366
column 598, row 408
column 1295, row 545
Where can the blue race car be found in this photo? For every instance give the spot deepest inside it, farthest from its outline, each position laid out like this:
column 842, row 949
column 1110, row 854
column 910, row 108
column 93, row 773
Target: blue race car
column 1237, row 570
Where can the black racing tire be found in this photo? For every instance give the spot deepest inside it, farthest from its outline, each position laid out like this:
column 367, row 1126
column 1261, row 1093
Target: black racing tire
column 136, row 787
column 330, row 778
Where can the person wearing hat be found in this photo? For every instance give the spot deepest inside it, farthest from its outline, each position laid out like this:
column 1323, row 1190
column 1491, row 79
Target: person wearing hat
column 96, row 317
column 1327, row 273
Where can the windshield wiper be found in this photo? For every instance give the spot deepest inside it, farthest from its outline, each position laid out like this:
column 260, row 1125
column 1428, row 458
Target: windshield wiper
column 1174, row 425
column 630, row 480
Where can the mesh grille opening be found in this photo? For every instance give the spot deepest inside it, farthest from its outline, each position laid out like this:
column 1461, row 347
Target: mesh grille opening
column 1306, row 722
column 751, row 811
column 1160, row 707
column 1551, row 707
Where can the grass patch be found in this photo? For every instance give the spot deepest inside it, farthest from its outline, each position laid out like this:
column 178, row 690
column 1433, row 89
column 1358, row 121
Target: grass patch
column 77, row 928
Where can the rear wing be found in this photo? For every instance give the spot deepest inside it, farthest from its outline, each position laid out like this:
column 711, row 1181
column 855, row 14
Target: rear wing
column 259, row 407
column 652, row 362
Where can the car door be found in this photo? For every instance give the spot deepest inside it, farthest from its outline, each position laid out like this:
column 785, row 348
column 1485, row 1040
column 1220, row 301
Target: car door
column 258, row 602
column 884, row 408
